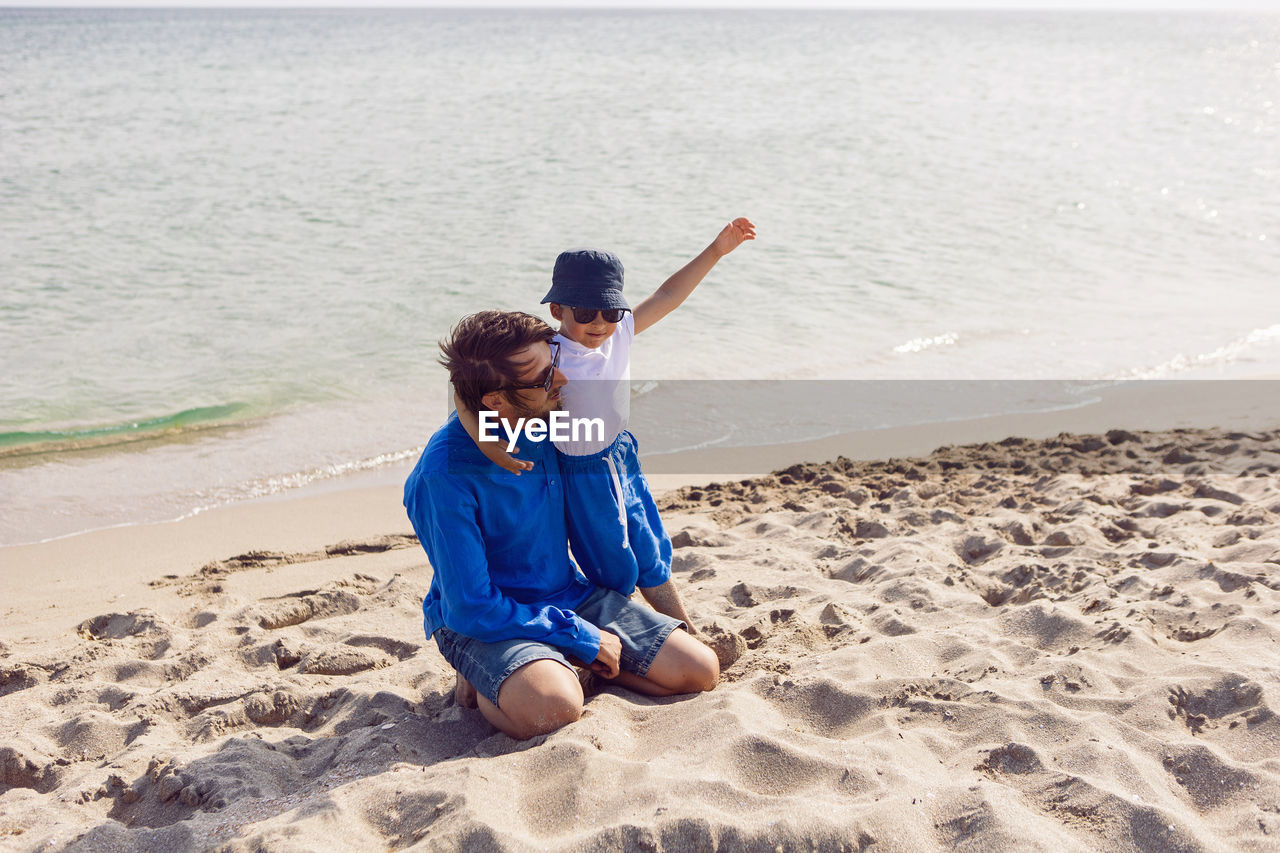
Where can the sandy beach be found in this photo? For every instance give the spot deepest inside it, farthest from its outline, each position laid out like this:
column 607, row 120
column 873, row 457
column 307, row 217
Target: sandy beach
column 968, row 461
column 980, row 636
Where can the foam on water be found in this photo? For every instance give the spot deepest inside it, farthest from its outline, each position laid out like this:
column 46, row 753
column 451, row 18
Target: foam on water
column 1259, row 350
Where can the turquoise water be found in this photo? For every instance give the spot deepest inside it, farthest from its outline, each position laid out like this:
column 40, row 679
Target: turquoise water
column 233, row 237
column 53, row 440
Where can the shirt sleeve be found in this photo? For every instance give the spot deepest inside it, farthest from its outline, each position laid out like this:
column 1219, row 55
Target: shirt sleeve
column 655, row 575
column 446, row 522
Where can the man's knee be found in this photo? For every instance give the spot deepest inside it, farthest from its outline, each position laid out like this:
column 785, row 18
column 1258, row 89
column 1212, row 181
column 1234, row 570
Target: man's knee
column 541, row 700
column 703, row 673
column 686, row 665
column 547, row 714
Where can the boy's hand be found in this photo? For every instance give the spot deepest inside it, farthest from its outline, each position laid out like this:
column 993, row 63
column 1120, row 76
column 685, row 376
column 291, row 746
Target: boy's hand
column 733, row 235
column 505, row 460
column 492, row 450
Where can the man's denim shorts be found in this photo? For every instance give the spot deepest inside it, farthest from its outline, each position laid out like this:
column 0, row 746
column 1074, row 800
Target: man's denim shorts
column 486, row 665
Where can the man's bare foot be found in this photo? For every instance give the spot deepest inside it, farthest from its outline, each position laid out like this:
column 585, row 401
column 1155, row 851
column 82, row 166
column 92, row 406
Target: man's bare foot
column 591, row 683
column 464, row 695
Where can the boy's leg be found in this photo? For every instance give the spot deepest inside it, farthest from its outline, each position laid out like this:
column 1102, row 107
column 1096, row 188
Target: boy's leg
column 597, row 532
column 650, row 544
column 537, row 698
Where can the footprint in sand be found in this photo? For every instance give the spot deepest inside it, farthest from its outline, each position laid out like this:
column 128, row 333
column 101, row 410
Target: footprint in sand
column 335, row 599
column 18, row 770
column 977, row 549
column 1208, row 706
column 21, row 676
column 745, row 595
column 1012, row 758
column 1209, row 780
column 339, row 659
column 93, row 735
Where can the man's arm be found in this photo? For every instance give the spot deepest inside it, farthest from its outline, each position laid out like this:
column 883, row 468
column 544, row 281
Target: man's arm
column 676, row 289
column 664, row 599
column 445, row 520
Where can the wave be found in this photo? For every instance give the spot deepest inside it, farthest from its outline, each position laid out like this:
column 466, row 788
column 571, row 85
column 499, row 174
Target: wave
column 1227, row 354
column 918, row 344
column 273, row 485
column 193, row 503
column 21, row 443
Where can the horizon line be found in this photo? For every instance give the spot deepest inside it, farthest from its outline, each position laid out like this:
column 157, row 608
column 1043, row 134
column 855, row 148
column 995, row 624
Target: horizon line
column 1192, row 6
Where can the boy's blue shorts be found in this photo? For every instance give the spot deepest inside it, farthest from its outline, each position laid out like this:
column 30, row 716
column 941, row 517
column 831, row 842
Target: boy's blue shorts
column 486, row 665
column 615, row 531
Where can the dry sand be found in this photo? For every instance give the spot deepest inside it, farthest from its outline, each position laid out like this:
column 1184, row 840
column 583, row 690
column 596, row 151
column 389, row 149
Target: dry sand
column 1060, row 644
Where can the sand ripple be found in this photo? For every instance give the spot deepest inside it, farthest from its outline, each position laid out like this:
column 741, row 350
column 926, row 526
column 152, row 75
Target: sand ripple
column 1051, row 645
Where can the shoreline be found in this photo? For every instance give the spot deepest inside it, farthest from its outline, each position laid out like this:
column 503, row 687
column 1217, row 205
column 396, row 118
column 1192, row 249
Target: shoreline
column 367, row 505
column 1139, row 405
column 124, row 500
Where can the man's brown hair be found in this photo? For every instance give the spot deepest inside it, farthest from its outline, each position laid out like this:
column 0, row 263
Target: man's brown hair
column 478, row 352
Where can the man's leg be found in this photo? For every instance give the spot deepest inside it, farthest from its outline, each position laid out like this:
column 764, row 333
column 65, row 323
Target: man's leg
column 677, row 663
column 682, row 665
column 464, row 693
column 537, row 698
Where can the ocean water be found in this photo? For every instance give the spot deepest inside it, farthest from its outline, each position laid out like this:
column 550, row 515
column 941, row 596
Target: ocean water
column 230, row 239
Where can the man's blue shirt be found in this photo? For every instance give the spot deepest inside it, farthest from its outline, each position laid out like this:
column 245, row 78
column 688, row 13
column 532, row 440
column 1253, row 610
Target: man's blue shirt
column 498, row 545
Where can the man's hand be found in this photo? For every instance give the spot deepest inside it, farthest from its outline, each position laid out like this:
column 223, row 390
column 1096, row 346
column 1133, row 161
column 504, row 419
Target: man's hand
column 733, row 235
column 610, row 657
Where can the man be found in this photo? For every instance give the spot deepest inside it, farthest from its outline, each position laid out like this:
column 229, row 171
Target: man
column 507, row 608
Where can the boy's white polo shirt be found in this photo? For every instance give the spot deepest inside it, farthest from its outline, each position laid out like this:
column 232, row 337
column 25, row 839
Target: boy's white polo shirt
column 599, row 385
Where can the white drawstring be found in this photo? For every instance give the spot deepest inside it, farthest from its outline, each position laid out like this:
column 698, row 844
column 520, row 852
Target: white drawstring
column 622, row 507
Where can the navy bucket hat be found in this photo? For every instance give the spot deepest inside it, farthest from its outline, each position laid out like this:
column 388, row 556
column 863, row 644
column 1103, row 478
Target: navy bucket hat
column 587, row 278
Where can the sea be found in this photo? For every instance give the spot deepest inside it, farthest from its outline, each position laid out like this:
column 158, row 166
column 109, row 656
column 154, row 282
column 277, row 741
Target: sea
column 230, row 240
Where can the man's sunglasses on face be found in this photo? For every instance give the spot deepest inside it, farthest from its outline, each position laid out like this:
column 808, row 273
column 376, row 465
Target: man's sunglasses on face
column 588, row 315
column 545, row 382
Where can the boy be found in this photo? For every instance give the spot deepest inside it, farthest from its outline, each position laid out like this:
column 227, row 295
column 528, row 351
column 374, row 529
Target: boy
column 614, row 529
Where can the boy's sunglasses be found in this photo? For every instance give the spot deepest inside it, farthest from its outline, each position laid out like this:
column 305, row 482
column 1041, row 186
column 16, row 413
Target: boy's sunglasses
column 588, row 315
column 545, row 382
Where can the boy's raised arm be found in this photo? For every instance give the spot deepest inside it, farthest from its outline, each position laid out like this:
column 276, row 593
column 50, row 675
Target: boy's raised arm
column 677, row 288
